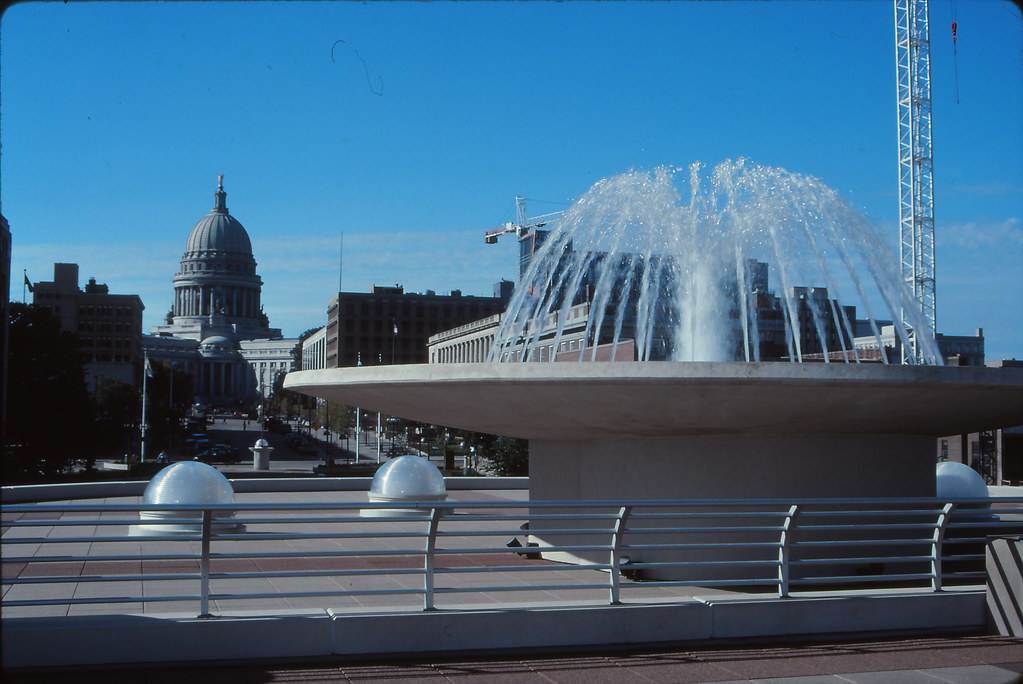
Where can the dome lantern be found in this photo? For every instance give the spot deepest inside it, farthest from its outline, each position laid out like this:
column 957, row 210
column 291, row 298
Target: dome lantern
column 220, row 197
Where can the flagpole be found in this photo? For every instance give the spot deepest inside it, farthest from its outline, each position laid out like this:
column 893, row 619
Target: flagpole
column 147, row 370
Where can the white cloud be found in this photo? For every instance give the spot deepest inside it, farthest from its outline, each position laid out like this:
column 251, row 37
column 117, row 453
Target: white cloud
column 992, row 189
column 975, row 235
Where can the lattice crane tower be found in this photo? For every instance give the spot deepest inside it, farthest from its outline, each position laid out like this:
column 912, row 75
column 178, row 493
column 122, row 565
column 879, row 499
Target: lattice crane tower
column 916, row 161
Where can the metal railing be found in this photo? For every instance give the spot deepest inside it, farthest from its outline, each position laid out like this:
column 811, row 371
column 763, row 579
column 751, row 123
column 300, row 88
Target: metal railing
column 349, row 554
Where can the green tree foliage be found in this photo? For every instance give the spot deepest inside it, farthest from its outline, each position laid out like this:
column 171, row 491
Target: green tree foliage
column 50, row 416
column 337, row 417
column 507, row 456
column 117, row 410
column 285, row 402
column 169, row 391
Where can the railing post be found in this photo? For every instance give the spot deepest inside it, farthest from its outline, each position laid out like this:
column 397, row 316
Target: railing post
column 785, row 549
column 428, row 558
column 204, row 565
column 616, row 550
column 940, row 525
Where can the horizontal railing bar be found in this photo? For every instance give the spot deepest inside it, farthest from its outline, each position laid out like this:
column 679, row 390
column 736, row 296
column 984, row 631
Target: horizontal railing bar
column 723, row 545
column 93, row 559
column 475, row 517
column 352, row 572
column 520, row 549
column 724, row 564
column 860, row 542
column 283, row 536
column 280, row 520
column 884, row 512
column 72, row 522
column 701, row 583
column 558, row 567
column 535, row 587
column 709, row 514
column 301, row 594
column 315, row 554
column 857, row 579
column 94, row 600
column 519, row 532
column 715, row 530
column 563, row 516
column 862, row 559
column 270, row 525
column 75, row 579
column 801, row 527
column 89, row 540
column 529, row 506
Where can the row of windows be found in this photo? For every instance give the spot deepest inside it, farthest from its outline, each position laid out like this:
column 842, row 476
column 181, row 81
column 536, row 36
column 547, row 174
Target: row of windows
column 379, row 326
column 105, row 311
column 405, row 310
column 377, row 343
column 118, row 343
column 273, row 365
column 105, row 326
column 108, row 358
column 197, row 267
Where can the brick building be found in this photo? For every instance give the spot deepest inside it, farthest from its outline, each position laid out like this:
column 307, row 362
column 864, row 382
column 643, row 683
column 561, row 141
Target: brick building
column 109, row 326
column 388, row 325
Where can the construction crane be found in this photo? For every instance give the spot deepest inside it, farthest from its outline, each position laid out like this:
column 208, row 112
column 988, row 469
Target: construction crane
column 916, row 163
column 528, row 231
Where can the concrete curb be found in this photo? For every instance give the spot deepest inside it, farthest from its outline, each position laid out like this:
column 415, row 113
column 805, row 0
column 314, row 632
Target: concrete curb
column 126, row 639
column 98, row 490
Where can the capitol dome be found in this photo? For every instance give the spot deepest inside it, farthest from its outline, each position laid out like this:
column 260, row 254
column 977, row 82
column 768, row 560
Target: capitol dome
column 215, row 344
column 218, row 232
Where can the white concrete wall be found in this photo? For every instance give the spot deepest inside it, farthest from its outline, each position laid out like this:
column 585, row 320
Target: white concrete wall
column 126, row 639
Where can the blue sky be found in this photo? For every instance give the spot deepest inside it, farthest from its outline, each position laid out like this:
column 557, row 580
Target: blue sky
column 410, row 127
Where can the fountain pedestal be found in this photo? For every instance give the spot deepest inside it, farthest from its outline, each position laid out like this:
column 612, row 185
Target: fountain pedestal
column 670, row 430
column 674, row 430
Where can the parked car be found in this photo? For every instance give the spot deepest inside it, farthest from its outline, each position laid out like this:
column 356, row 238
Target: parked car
column 197, row 442
column 221, row 453
column 276, row 425
column 301, row 443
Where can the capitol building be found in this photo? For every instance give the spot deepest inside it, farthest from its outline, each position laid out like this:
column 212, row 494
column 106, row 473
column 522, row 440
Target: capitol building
column 216, row 329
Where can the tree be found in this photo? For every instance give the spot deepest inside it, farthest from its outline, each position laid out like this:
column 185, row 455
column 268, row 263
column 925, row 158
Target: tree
column 50, row 416
column 508, row 456
column 117, row 411
column 170, row 392
column 285, row 402
column 337, row 417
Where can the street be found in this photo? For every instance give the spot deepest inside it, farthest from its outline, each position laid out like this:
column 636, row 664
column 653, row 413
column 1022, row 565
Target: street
column 243, row 434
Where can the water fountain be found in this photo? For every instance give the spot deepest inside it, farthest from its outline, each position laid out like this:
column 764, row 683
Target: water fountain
column 688, row 279
column 715, row 418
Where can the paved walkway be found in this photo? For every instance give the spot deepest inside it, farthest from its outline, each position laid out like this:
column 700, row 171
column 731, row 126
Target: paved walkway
column 963, row 660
